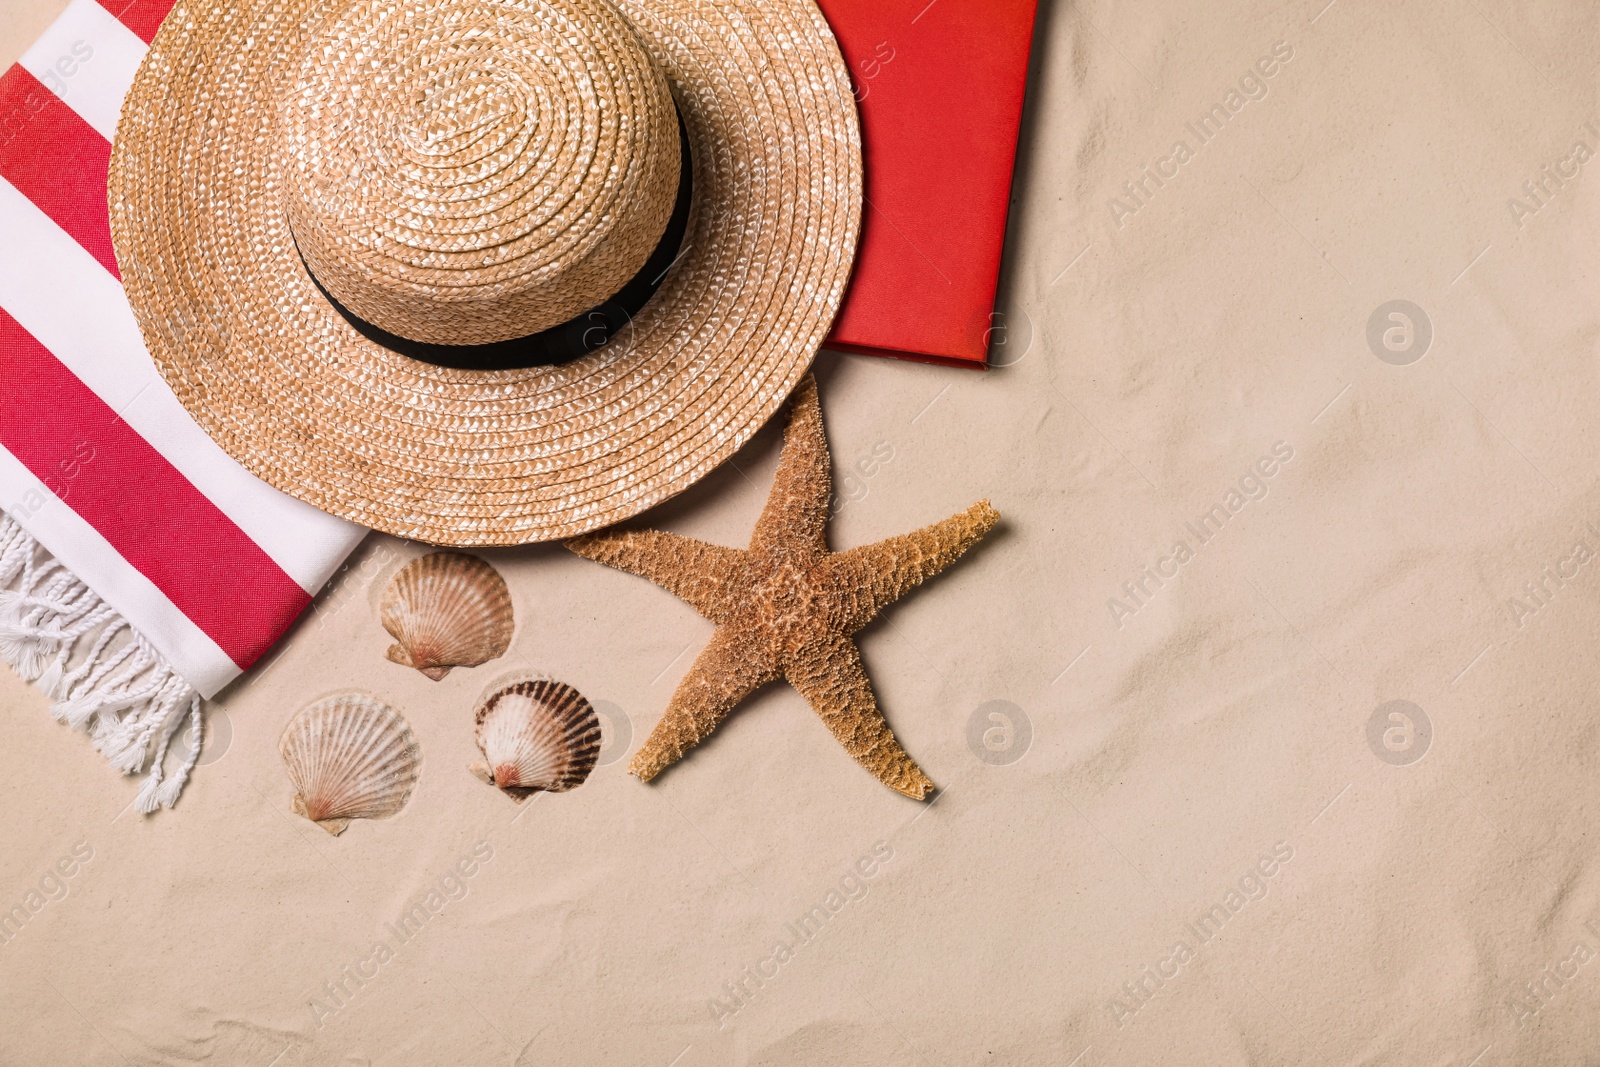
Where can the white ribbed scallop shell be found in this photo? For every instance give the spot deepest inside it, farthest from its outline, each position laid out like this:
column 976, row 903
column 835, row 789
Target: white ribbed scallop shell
column 535, row 735
column 349, row 757
column 447, row 610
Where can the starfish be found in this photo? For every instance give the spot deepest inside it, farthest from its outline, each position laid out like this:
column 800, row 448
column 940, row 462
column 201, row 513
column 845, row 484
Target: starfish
column 788, row 608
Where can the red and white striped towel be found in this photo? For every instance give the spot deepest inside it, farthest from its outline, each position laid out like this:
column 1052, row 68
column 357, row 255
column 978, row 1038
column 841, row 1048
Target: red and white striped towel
column 141, row 568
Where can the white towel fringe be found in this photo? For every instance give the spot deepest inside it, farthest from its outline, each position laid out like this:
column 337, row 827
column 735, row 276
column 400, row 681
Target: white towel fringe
column 101, row 673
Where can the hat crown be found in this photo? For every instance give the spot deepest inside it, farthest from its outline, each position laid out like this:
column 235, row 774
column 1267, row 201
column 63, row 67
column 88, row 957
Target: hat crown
column 474, row 171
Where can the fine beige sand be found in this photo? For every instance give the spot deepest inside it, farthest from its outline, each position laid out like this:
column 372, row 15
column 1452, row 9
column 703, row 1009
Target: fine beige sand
column 1184, row 830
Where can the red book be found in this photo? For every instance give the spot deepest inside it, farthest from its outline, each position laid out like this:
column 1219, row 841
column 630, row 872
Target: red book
column 940, row 87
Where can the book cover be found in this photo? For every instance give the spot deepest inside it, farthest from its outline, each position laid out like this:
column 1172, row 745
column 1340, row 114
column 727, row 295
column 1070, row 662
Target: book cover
column 940, row 87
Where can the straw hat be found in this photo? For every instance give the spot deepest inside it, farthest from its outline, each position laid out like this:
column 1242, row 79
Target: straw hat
column 486, row 271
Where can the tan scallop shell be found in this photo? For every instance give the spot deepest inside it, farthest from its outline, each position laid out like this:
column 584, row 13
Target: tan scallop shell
column 535, row 735
column 349, row 757
column 447, row 610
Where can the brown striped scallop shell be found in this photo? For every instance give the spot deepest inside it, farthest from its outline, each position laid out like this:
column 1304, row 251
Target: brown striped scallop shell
column 349, row 757
column 536, row 735
column 447, row 610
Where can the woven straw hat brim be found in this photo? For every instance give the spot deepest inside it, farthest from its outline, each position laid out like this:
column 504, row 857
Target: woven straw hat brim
column 269, row 368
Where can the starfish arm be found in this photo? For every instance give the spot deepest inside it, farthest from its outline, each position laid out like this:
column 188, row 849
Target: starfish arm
column 796, row 516
column 730, row 667
column 705, row 575
column 830, row 675
column 872, row 577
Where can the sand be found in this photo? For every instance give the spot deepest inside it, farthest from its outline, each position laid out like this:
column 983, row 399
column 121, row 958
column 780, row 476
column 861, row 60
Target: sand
column 1195, row 834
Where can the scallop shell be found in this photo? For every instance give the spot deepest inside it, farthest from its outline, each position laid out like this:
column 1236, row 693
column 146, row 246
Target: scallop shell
column 349, row 757
column 535, row 735
column 447, row 610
